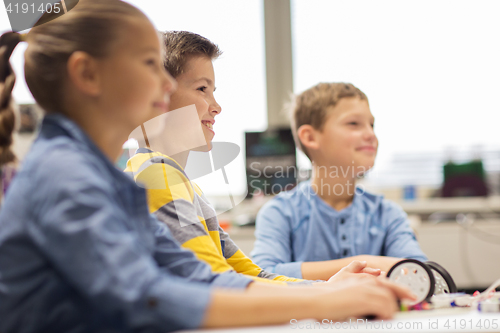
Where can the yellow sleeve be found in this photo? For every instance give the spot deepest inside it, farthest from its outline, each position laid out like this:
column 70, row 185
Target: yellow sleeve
column 244, row 265
column 170, row 197
column 206, row 250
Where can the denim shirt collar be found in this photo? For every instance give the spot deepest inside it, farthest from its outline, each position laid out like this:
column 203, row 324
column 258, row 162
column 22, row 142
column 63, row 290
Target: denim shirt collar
column 362, row 201
column 57, row 124
column 54, row 123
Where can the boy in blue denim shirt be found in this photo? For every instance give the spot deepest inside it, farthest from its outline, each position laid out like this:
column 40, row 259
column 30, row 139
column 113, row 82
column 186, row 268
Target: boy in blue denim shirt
column 320, row 226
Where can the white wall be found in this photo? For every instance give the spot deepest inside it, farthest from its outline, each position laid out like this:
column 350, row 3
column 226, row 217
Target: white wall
column 429, row 68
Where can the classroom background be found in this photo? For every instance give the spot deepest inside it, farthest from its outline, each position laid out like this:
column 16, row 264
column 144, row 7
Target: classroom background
column 430, row 70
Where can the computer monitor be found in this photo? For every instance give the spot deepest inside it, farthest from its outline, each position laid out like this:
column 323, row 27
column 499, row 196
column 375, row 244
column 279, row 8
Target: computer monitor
column 271, row 162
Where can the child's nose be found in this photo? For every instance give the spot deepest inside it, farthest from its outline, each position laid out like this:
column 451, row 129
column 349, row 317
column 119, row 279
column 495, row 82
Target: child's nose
column 370, row 133
column 215, row 107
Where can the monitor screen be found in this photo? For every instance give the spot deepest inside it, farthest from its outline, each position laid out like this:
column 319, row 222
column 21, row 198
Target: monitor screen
column 271, row 165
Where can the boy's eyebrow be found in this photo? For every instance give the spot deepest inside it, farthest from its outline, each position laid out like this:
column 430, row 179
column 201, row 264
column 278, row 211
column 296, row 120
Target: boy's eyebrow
column 210, row 82
column 206, row 79
column 357, row 115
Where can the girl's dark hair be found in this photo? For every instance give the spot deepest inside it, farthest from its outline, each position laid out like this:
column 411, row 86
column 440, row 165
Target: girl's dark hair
column 92, row 26
column 8, row 42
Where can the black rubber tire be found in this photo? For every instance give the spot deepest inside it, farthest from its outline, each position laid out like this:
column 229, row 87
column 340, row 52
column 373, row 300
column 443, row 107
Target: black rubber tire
column 444, row 273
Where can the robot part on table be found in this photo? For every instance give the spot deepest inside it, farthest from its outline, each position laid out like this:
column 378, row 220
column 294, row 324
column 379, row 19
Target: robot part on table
column 435, row 288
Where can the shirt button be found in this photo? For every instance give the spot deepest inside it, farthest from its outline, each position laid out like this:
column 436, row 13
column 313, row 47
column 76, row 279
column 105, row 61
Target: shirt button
column 344, row 237
column 346, row 252
column 342, row 221
column 152, row 302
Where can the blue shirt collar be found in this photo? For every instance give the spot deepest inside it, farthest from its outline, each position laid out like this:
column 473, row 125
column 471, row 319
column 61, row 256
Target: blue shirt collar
column 58, row 124
column 54, row 122
column 366, row 206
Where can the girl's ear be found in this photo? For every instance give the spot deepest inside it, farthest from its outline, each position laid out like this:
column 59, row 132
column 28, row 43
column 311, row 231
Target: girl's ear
column 83, row 73
column 308, row 135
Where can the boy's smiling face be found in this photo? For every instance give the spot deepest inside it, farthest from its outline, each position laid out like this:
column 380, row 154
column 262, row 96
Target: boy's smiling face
column 347, row 139
column 196, row 85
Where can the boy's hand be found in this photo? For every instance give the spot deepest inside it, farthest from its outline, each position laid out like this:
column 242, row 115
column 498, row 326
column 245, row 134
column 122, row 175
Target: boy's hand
column 384, row 263
column 372, row 271
column 361, row 297
column 356, row 269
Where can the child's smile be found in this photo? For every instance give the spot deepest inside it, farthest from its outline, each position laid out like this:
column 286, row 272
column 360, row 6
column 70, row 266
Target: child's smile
column 209, row 124
column 196, row 86
column 368, row 149
column 347, row 139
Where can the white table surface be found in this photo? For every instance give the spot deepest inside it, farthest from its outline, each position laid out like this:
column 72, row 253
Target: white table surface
column 435, row 321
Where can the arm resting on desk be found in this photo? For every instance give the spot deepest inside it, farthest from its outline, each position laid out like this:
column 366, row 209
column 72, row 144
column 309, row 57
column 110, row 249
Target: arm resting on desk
column 267, row 304
column 323, row 270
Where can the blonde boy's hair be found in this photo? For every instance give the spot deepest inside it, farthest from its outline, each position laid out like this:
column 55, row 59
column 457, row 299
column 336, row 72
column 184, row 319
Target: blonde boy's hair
column 311, row 106
column 180, row 46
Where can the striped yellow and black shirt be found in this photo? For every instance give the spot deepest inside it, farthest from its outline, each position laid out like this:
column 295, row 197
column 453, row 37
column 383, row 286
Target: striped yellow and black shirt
column 181, row 204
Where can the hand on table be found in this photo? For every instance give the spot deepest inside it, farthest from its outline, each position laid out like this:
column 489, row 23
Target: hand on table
column 355, row 269
column 364, row 295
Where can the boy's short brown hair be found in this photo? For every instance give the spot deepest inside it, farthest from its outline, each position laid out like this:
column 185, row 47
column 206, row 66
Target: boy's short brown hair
column 311, row 106
column 181, row 45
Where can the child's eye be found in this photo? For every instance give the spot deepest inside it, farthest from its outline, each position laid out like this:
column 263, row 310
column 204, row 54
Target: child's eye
column 353, row 123
column 151, row 62
column 202, row 89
